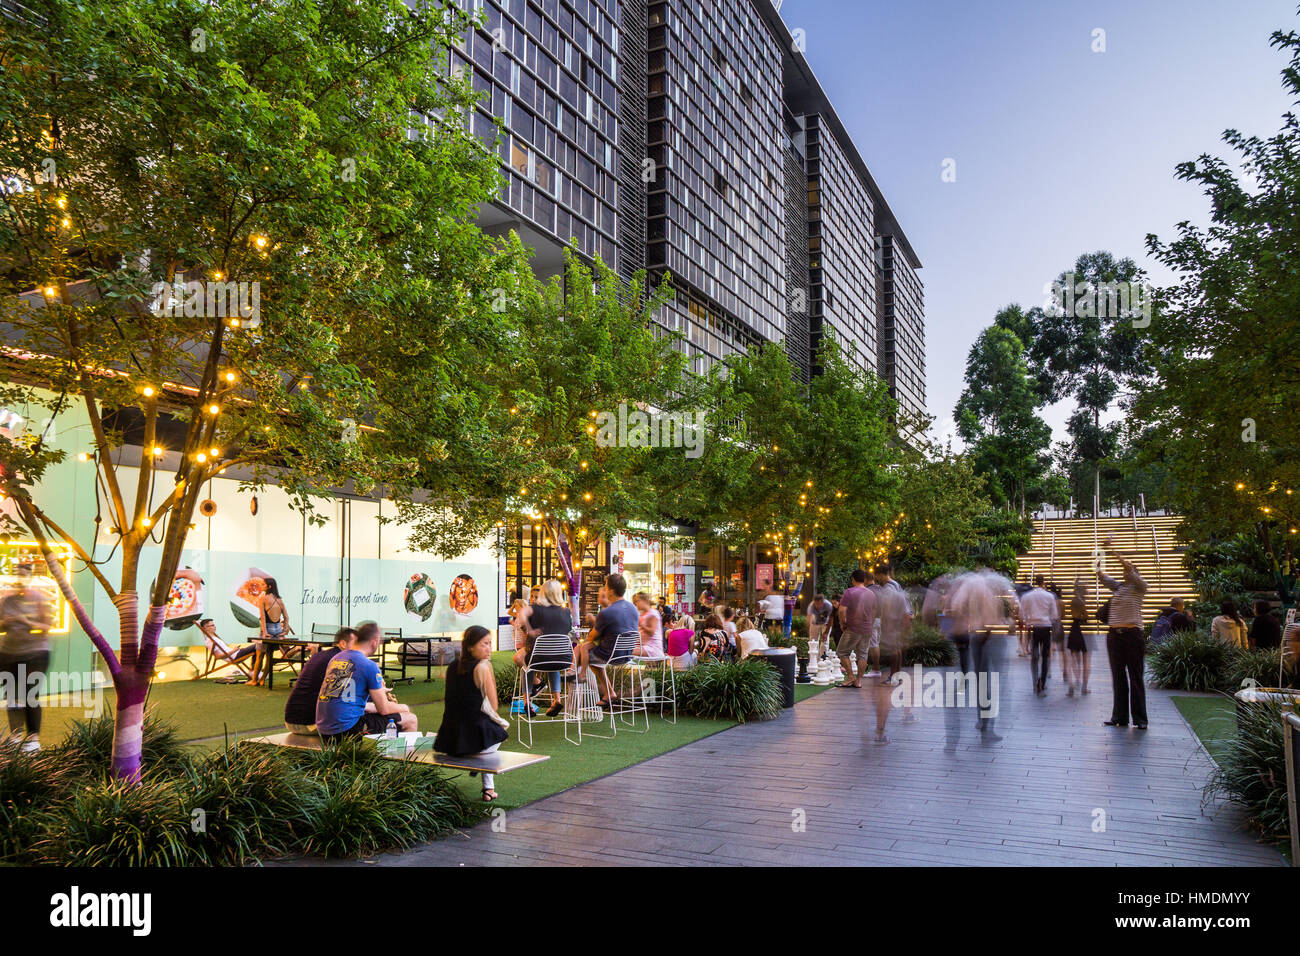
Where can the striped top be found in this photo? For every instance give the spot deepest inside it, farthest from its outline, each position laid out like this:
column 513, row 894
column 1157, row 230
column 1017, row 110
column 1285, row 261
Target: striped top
column 1126, row 604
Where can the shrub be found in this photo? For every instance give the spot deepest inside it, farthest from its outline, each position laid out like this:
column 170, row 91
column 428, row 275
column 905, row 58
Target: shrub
column 116, row 823
column 1188, row 660
column 506, row 674
column 799, row 625
column 1250, row 769
column 87, row 750
column 1258, row 666
column 365, row 803
column 739, row 690
column 929, row 648
column 254, row 802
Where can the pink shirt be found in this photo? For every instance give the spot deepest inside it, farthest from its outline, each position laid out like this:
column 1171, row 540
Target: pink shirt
column 679, row 641
column 651, row 626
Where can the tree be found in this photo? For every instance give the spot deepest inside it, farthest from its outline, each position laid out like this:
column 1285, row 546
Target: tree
column 224, row 227
column 593, row 422
column 793, row 466
column 1226, row 351
column 996, row 416
column 1087, row 344
column 943, row 499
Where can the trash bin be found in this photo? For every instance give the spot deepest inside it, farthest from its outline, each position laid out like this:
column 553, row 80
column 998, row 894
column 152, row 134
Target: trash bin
column 783, row 660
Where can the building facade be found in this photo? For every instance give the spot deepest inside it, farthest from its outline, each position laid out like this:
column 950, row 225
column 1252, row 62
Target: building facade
column 693, row 139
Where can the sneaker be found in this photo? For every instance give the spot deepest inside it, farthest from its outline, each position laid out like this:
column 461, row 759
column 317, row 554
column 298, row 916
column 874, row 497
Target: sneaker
column 555, row 709
column 881, row 739
column 30, row 745
column 871, row 674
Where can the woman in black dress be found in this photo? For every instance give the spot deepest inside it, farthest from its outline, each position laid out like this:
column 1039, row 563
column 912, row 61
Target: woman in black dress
column 470, row 722
column 1076, row 644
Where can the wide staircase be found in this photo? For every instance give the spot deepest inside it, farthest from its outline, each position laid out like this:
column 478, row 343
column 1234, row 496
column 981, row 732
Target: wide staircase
column 1064, row 548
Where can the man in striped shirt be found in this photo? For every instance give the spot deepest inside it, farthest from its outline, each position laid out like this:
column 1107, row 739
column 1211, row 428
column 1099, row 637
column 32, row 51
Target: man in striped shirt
column 1125, row 645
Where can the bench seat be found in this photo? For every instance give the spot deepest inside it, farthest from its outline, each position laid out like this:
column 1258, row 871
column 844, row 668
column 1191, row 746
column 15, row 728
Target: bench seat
column 500, row 761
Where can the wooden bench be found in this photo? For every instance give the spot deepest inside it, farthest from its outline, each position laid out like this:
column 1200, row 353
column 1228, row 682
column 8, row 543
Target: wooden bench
column 500, row 761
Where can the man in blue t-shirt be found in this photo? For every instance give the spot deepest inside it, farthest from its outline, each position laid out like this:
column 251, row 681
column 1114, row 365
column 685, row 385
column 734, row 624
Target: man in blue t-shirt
column 351, row 681
column 619, row 617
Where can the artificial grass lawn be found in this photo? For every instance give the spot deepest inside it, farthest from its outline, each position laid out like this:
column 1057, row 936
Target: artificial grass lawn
column 204, row 712
column 1212, row 719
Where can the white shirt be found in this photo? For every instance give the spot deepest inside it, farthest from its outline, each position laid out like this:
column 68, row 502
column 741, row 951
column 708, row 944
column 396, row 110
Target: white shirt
column 1038, row 608
column 774, row 607
column 750, row 641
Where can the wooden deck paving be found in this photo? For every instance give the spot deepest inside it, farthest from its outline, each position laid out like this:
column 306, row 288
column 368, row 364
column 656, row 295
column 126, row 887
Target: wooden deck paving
column 1032, row 799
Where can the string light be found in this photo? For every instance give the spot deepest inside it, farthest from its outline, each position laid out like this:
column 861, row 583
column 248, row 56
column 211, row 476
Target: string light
column 230, row 377
column 147, row 391
column 157, row 451
column 200, row 458
column 216, row 452
column 214, row 408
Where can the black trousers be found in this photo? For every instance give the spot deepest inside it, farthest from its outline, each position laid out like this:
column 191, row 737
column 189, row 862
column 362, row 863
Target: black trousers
column 952, row 714
column 25, row 677
column 1041, row 639
column 1125, row 648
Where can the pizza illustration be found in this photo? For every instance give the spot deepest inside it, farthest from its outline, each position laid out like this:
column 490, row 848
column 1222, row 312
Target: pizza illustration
column 184, row 600
column 463, row 596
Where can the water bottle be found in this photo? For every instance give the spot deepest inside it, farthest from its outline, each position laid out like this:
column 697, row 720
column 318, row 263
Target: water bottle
column 391, row 732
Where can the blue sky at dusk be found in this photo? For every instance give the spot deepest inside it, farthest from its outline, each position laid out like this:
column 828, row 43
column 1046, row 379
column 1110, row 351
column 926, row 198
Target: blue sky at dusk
column 1058, row 150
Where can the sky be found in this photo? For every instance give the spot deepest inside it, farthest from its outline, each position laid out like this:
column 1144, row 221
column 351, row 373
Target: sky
column 1057, row 150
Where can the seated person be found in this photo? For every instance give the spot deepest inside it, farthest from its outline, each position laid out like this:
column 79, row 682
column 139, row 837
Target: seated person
column 650, row 627
column 470, row 722
column 620, row 617
column 300, row 709
column 351, row 680
column 219, row 647
column 550, row 615
column 749, row 638
column 678, row 645
column 715, row 641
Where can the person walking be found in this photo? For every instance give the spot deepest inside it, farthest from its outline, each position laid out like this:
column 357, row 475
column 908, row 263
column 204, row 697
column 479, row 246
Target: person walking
column 25, row 622
column 894, row 617
column 1039, row 609
column 1124, row 642
column 1077, row 644
column 858, row 618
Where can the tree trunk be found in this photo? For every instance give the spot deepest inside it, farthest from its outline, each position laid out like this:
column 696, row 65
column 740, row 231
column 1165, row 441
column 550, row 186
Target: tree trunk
column 138, row 655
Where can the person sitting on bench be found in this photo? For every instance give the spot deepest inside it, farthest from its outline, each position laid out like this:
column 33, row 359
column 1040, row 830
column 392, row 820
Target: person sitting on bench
column 470, row 722
column 300, row 709
column 351, row 681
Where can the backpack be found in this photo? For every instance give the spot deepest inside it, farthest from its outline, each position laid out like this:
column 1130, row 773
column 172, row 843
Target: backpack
column 1103, row 613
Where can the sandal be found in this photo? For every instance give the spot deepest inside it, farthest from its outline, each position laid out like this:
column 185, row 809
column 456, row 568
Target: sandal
column 489, row 796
